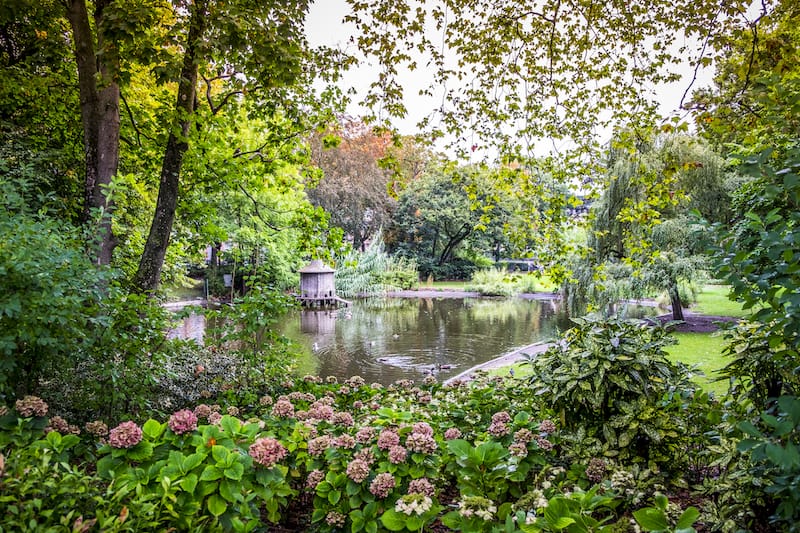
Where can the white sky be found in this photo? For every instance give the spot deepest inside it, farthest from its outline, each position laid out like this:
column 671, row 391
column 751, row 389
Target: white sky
column 325, row 27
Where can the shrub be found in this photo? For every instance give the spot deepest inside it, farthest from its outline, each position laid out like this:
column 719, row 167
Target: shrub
column 612, row 383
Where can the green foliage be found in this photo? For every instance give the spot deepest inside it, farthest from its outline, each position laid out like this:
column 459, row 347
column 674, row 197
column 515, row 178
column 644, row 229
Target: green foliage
column 655, row 518
column 610, row 379
column 773, row 449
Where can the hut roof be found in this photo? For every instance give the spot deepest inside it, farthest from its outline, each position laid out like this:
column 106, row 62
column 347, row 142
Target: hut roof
column 316, row 267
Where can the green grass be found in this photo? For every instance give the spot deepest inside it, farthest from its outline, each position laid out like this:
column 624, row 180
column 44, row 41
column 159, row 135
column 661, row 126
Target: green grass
column 713, row 300
column 705, row 351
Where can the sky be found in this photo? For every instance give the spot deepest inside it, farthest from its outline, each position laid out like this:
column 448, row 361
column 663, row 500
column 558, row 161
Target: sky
column 325, row 27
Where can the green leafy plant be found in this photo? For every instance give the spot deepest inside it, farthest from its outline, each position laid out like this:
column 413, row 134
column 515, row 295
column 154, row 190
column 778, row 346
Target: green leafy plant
column 656, row 520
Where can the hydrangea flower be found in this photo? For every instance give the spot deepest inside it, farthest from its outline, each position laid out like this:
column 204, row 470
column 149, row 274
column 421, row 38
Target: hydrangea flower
column 366, row 455
column 346, row 441
column 478, row 506
column 365, row 434
column 397, row 454
column 423, row 428
column 382, row 485
column 267, row 451
column 203, row 411
column 266, row 400
column 96, row 428
column 387, row 439
column 125, row 435
column 417, row 504
column 283, row 409
column 421, row 486
column 342, row 418
column 57, row 424
column 501, row 417
column 335, row 519
column 452, row 434
column 547, row 426
column 314, row 478
column 357, row 470
column 318, row 445
column 31, row 406
column 184, row 421
column 498, row 429
column 421, row 443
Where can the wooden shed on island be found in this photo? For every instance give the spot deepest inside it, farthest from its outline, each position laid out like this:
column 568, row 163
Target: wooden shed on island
column 317, row 287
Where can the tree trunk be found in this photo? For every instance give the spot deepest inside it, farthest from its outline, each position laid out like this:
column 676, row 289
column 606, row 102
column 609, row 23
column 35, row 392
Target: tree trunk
column 100, row 118
column 148, row 275
column 675, row 299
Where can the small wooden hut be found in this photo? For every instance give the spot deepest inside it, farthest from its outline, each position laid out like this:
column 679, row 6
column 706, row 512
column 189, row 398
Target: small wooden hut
column 317, row 287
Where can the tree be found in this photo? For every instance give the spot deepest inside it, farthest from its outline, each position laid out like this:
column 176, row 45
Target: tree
column 636, row 259
column 438, row 216
column 355, row 187
column 207, row 54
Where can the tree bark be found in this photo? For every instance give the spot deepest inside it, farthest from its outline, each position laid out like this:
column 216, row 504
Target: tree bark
column 100, row 119
column 675, row 300
column 148, row 275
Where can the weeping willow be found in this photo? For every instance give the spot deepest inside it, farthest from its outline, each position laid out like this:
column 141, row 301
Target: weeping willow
column 373, row 271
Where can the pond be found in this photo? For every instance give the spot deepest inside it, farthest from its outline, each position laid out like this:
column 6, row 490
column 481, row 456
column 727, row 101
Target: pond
column 386, row 339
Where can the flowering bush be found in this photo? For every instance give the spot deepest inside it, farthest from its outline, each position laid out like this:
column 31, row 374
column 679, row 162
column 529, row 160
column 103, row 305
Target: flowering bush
column 184, row 421
column 125, row 435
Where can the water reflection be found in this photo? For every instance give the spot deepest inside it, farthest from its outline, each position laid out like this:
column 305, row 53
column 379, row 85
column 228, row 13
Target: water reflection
column 384, row 340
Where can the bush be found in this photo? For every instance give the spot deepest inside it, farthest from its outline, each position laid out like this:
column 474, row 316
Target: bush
column 612, row 383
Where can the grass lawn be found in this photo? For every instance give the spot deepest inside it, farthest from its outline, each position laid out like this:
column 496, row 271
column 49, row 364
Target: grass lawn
column 705, row 351
column 713, row 300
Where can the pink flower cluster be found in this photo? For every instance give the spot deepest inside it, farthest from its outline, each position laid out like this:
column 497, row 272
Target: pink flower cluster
column 319, row 445
column 336, row 519
column 343, row 419
column 314, row 478
column 346, row 441
column 547, row 426
column 421, row 486
column 357, row 470
column 387, row 439
column 366, row 455
column 31, row 406
column 320, row 411
column 421, row 443
column 203, row 411
column 283, row 409
column 125, row 435
column 184, row 421
column 452, row 434
column 267, row 451
column 365, row 434
column 382, row 485
column 397, row 454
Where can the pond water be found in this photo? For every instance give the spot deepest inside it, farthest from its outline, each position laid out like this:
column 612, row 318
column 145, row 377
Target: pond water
column 386, row 339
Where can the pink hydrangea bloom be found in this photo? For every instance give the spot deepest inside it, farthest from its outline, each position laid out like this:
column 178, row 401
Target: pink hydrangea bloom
column 423, row 428
column 397, row 454
column 125, row 435
column 214, row 418
column 501, row 417
column 346, row 441
column 343, row 419
column 523, row 435
column 544, row 444
column 320, row 411
column 31, row 406
column 267, row 451
column 357, row 470
column 184, row 421
column 97, row 428
column 452, row 434
column 366, row 455
column 387, row 439
column 365, row 434
column 421, row 486
column 382, row 485
column 202, row 411
column 314, row 478
column 283, row 409
column 421, row 443
column 57, row 424
column 547, row 426
column 498, row 429
column 319, row 445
